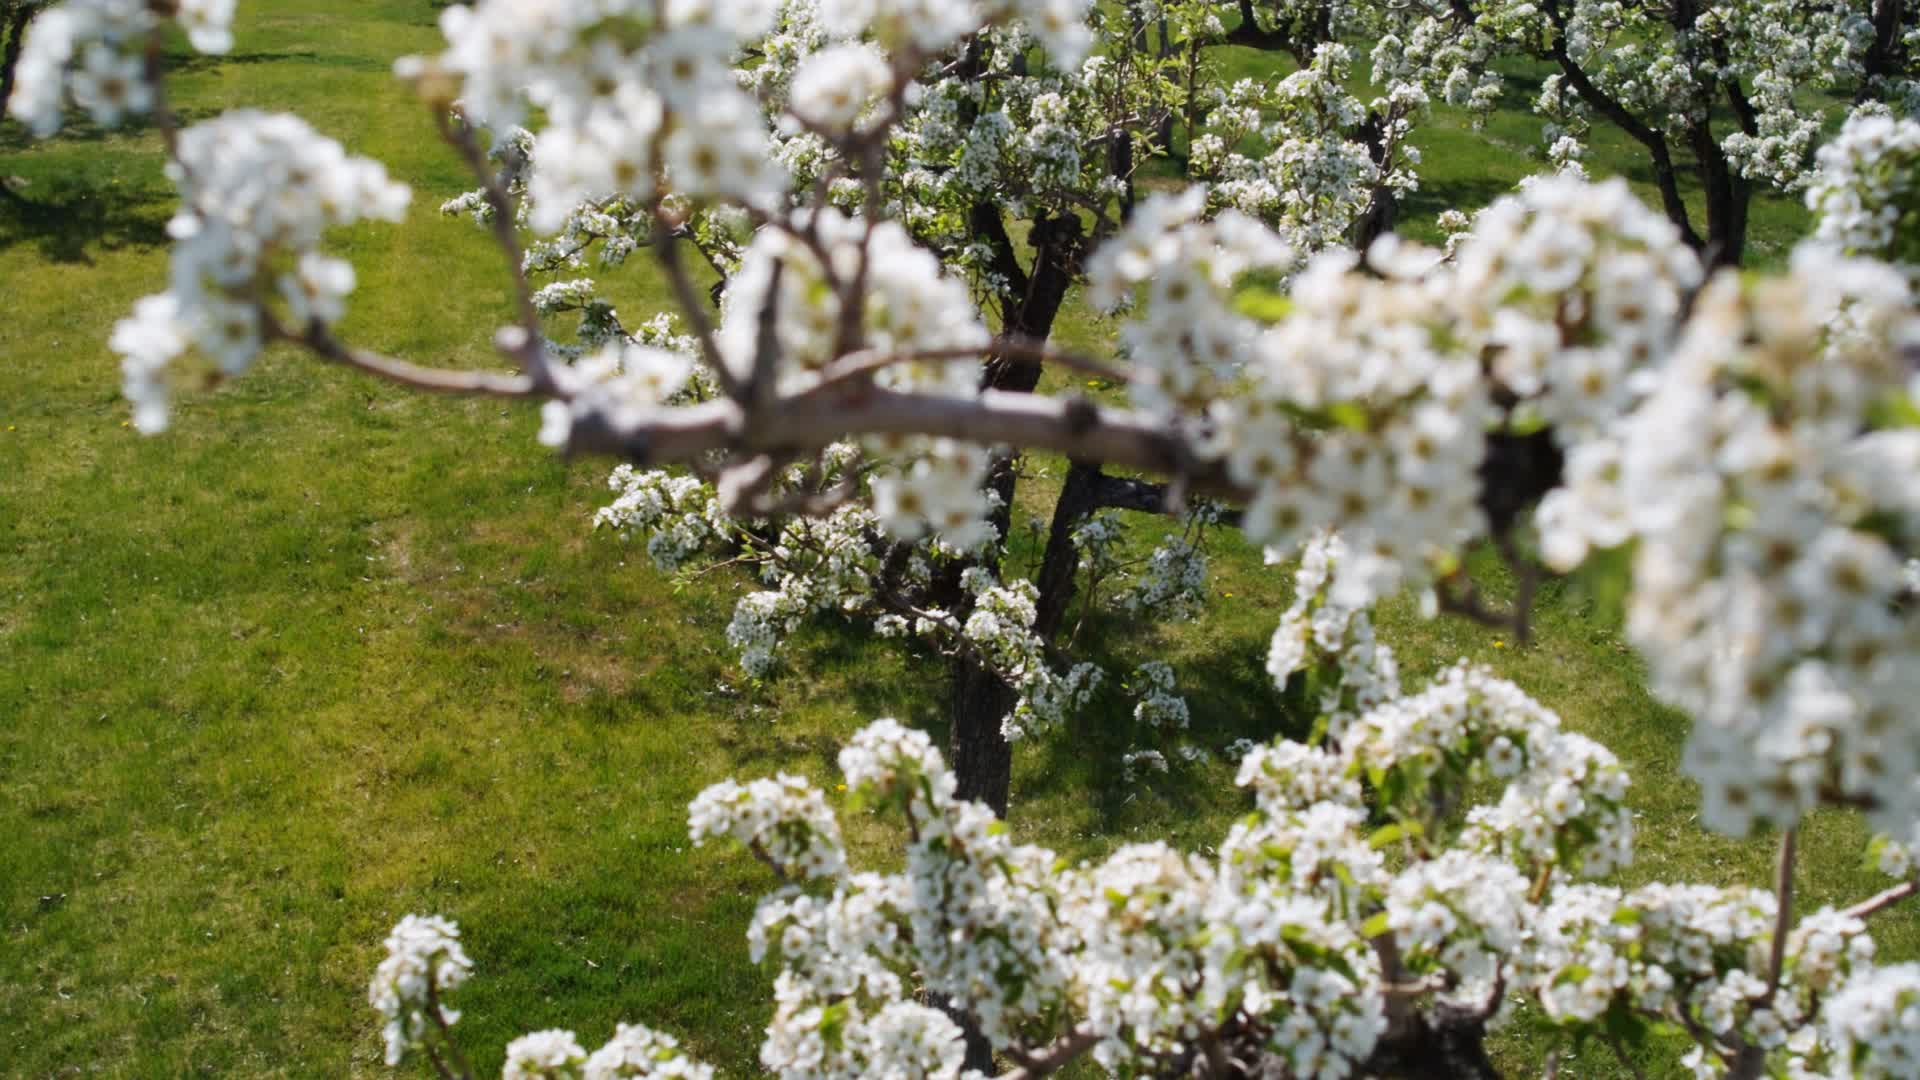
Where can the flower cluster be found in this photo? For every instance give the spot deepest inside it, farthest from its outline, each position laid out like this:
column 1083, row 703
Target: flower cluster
column 258, row 191
column 678, row 515
column 1318, row 174
column 1666, row 71
column 1563, row 805
column 1768, row 489
column 1000, row 626
column 1289, row 941
column 1703, row 954
column 553, row 1054
column 1173, row 582
column 1572, row 288
column 1873, row 1024
column 1462, row 914
column 1159, row 707
column 1331, row 643
column 784, row 820
column 1864, row 193
column 835, row 564
column 1191, row 347
column 1360, row 417
column 94, row 53
column 424, row 961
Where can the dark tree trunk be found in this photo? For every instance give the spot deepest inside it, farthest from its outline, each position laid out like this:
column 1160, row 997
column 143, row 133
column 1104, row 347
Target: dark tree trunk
column 1383, row 209
column 1086, row 491
column 14, row 17
column 1062, row 560
column 1729, row 195
column 979, row 753
column 981, row 758
column 1886, row 57
column 1163, row 133
column 1448, row 1044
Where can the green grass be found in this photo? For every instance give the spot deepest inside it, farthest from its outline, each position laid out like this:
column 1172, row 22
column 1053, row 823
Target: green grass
column 329, row 652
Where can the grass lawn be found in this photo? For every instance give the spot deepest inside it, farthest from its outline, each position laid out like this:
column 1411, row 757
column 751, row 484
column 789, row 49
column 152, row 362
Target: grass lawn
column 329, row 652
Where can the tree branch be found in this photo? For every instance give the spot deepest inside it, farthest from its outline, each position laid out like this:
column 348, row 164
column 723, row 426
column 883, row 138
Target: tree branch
column 439, row 380
column 1055, row 1057
column 1783, row 914
column 461, row 138
column 1013, row 348
column 1879, row 902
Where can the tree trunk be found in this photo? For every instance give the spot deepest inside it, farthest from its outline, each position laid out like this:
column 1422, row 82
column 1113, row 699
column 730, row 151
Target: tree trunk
column 1383, row 209
column 13, row 28
column 1163, row 132
column 981, row 758
column 1887, row 55
column 1729, row 196
column 979, row 753
column 1449, row 1044
column 1062, row 560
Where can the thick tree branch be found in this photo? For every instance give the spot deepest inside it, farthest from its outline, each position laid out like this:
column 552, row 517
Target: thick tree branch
column 1055, row 1057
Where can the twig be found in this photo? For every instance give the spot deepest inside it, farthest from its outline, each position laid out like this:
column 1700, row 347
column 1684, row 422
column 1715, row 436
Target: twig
column 460, row 1063
column 154, row 70
column 1879, row 902
column 439, row 380
column 461, row 138
column 1783, row 913
column 439, row 1066
column 760, row 853
column 668, row 252
column 758, row 395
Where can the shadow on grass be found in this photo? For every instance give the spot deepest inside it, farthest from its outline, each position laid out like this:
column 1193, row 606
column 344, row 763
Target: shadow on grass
column 1434, row 196
column 189, row 63
column 1229, row 696
column 67, row 221
column 77, row 127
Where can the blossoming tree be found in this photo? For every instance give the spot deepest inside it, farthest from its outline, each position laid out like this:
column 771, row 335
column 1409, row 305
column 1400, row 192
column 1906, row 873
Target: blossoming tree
column 989, row 147
column 1725, row 84
column 1566, row 381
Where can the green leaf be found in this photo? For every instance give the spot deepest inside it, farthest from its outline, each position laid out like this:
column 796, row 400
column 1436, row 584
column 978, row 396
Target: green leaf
column 833, row 1024
column 1264, row 305
column 1386, row 834
column 1375, row 926
column 1349, row 415
column 1894, row 410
